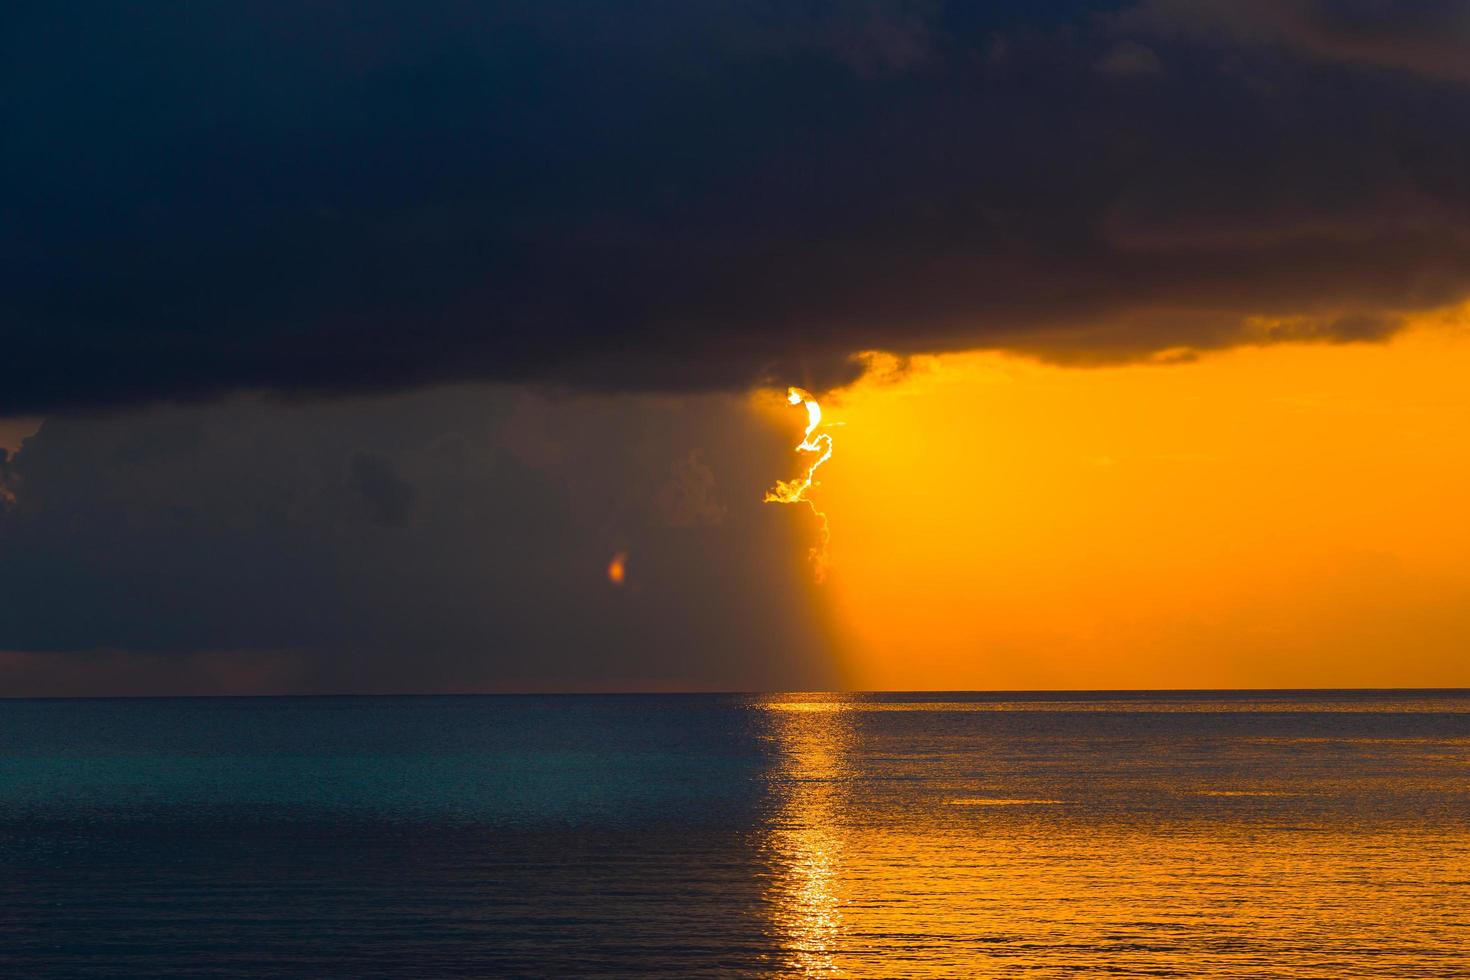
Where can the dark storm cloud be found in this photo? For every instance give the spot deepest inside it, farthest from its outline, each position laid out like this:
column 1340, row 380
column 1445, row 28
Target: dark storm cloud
column 319, row 197
column 387, row 497
column 1428, row 37
column 246, row 546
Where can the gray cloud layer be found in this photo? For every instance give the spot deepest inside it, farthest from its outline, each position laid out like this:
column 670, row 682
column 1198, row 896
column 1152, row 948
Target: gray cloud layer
column 450, row 540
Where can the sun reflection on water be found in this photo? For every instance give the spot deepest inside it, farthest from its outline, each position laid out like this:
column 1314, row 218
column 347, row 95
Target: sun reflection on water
column 806, row 839
column 945, row 839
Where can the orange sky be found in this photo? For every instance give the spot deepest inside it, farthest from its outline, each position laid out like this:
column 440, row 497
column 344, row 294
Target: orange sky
column 1265, row 517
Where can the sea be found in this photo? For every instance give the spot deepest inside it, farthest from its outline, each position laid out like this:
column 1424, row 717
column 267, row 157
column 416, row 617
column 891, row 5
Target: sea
column 1277, row 834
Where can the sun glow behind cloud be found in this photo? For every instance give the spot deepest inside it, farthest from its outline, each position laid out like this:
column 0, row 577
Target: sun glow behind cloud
column 818, row 447
column 1281, row 516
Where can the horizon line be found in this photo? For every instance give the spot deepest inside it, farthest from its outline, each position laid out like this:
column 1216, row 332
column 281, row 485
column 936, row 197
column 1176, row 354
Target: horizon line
column 996, row 693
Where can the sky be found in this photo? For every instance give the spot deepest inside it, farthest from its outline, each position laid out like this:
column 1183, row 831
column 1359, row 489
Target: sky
column 344, row 346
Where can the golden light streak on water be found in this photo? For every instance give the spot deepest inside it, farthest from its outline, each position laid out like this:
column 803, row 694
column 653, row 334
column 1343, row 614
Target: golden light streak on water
column 807, row 841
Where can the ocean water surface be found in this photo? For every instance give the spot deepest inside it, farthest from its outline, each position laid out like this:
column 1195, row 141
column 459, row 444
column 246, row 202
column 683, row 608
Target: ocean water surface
column 1216, row 834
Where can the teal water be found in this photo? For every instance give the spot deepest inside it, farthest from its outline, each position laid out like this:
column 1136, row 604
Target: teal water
column 1217, row 834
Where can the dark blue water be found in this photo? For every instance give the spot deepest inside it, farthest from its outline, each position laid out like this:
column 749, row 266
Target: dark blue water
column 1254, row 834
